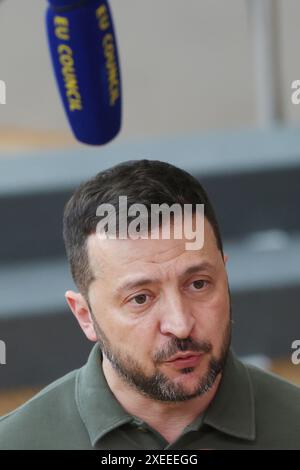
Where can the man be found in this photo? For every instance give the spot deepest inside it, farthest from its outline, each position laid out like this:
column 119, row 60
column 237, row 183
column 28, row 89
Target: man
column 162, row 374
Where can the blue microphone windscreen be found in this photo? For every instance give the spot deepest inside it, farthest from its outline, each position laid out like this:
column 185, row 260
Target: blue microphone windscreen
column 85, row 59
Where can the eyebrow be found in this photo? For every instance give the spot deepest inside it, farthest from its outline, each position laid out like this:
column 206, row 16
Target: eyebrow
column 196, row 268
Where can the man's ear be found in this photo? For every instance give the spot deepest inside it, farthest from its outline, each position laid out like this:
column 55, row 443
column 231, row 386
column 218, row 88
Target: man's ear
column 225, row 259
column 80, row 309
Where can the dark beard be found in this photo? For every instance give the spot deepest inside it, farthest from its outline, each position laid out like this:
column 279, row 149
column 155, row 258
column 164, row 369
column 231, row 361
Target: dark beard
column 158, row 386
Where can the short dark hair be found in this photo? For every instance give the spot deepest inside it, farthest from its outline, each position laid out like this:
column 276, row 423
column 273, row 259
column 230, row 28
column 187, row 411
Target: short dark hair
column 142, row 181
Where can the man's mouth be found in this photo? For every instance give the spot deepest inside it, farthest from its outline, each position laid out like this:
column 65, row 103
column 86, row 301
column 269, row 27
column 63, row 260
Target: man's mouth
column 189, row 359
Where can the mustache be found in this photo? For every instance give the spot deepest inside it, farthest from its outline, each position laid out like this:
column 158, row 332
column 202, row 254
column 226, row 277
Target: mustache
column 180, row 345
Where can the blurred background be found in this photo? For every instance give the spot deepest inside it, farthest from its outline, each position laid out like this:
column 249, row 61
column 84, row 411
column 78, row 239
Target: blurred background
column 206, row 86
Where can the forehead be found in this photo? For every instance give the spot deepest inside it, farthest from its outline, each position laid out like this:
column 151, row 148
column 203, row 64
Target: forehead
column 118, row 258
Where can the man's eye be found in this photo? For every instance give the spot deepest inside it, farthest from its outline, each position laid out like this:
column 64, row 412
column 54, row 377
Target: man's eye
column 139, row 299
column 199, row 284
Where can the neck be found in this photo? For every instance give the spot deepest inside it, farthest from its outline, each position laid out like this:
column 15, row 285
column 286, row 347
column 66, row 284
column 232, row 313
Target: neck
column 168, row 418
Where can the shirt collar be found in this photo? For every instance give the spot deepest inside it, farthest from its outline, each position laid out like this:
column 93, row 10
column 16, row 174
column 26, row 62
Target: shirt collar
column 230, row 412
column 98, row 407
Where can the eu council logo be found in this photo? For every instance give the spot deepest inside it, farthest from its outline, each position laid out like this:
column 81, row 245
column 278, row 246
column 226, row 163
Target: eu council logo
column 2, row 92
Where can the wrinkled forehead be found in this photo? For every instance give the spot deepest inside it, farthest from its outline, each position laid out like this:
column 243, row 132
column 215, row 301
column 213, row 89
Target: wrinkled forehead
column 119, row 256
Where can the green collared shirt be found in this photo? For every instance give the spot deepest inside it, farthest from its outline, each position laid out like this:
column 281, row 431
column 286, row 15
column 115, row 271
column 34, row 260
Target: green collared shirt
column 251, row 409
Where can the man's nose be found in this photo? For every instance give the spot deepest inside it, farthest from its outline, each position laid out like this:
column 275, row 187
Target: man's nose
column 176, row 317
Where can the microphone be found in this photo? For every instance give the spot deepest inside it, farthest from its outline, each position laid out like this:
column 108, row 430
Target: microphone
column 85, row 59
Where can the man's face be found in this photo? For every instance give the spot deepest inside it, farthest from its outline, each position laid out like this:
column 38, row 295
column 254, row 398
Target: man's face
column 152, row 300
